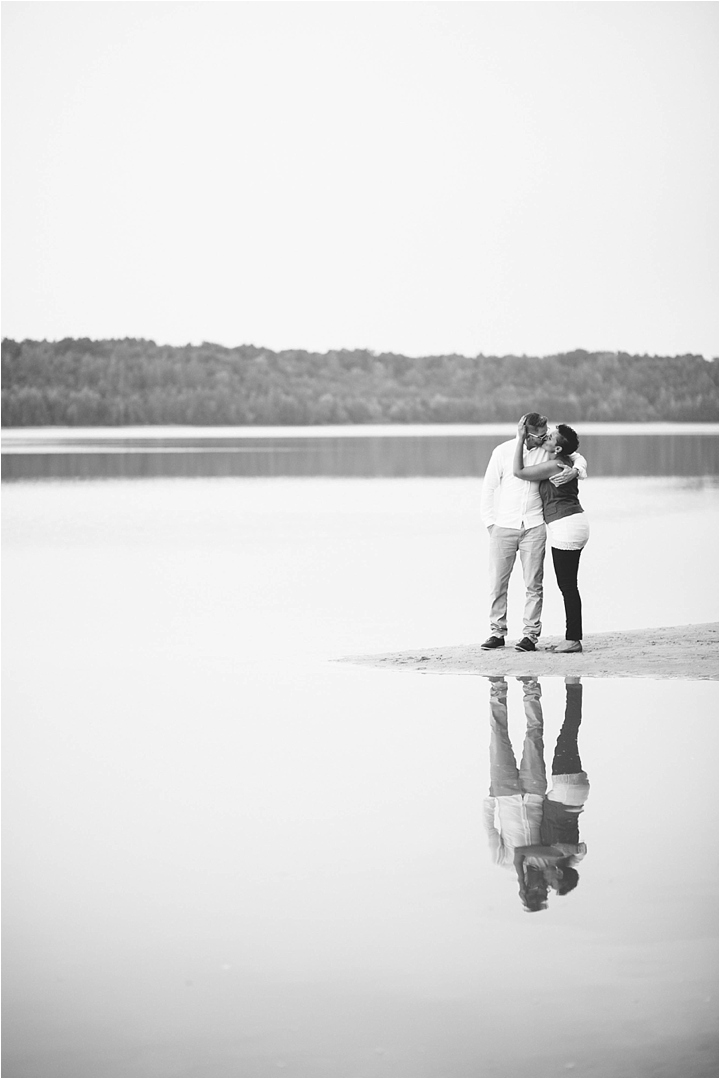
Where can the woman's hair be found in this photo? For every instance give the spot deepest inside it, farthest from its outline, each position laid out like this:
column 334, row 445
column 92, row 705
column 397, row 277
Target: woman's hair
column 568, row 881
column 567, row 438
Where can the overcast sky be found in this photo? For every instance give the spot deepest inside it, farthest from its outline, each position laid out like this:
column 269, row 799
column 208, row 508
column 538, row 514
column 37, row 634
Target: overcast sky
column 409, row 176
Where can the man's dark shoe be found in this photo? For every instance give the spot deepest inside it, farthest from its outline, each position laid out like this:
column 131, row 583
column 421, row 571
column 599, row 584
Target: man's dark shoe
column 525, row 645
column 493, row 642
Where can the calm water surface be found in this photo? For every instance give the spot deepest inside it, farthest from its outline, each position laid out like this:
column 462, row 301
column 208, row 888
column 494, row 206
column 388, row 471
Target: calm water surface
column 226, row 855
column 614, row 449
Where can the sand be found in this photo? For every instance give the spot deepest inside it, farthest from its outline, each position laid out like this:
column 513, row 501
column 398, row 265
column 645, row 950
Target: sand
column 686, row 652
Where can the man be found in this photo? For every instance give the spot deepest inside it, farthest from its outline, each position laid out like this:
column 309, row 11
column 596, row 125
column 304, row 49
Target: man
column 511, row 510
column 512, row 813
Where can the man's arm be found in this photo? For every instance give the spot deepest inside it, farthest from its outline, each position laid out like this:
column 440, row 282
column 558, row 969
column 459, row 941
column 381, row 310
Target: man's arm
column 580, row 464
column 567, row 474
column 491, row 482
column 495, row 841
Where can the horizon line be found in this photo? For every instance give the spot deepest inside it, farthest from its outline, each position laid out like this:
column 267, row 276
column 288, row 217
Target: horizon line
column 371, row 351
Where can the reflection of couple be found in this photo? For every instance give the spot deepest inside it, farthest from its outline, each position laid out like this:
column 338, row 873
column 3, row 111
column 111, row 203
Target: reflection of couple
column 535, row 831
column 530, row 490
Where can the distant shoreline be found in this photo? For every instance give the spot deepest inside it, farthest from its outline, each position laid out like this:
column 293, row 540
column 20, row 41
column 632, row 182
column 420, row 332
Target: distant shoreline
column 679, row 652
column 80, row 382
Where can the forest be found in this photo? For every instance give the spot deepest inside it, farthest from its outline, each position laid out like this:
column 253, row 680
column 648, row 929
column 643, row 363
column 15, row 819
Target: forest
column 81, row 382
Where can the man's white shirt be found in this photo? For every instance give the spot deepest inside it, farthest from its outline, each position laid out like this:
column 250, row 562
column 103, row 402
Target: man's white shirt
column 511, row 502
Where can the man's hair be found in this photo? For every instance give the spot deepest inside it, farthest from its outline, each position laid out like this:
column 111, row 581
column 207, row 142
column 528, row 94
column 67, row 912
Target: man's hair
column 534, row 419
column 567, row 438
column 534, row 894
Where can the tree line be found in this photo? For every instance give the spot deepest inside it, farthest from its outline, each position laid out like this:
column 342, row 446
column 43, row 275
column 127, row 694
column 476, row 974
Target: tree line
column 81, row 382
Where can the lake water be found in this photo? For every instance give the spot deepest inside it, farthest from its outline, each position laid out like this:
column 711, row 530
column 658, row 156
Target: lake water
column 227, row 855
column 615, row 449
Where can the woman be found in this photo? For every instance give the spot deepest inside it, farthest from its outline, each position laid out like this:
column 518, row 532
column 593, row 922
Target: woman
column 567, row 524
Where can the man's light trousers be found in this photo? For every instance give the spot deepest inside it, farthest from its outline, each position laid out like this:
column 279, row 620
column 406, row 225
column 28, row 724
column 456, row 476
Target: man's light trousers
column 505, row 545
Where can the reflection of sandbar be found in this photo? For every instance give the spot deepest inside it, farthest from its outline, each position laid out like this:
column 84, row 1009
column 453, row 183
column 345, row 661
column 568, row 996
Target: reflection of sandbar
column 689, row 652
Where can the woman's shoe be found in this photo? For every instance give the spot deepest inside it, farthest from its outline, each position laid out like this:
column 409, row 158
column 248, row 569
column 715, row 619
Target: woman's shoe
column 568, row 646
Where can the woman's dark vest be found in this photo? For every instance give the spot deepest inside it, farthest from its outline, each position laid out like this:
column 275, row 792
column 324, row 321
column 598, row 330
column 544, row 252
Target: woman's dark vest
column 559, row 502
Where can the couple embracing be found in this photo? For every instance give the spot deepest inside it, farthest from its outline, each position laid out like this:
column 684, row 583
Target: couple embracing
column 530, row 490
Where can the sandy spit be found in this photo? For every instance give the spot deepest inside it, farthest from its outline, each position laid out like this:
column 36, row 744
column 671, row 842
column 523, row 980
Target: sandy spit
column 687, row 652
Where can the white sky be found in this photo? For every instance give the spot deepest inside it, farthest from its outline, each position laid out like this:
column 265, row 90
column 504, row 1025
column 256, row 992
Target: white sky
column 410, row 176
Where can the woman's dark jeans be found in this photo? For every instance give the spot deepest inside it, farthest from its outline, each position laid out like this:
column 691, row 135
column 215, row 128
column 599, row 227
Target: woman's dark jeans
column 566, row 571
column 567, row 755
